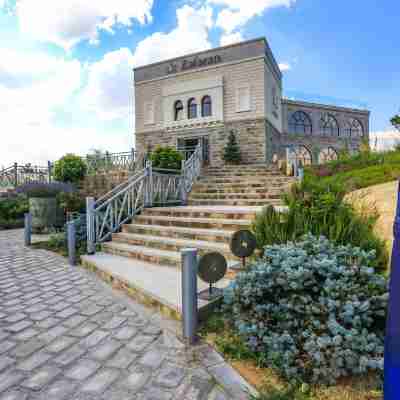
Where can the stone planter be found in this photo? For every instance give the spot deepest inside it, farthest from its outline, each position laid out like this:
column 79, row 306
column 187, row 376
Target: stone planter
column 44, row 213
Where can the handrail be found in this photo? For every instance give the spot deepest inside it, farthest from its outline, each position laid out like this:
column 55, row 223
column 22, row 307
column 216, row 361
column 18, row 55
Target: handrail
column 146, row 188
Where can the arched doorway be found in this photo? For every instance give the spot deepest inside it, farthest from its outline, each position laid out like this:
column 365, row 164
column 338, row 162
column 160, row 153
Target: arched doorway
column 303, row 156
column 327, row 154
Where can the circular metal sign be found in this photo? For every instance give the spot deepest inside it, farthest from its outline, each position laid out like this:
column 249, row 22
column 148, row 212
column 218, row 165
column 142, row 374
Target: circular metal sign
column 243, row 243
column 212, row 267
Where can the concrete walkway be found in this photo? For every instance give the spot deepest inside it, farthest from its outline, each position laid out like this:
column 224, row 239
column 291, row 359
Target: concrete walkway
column 66, row 335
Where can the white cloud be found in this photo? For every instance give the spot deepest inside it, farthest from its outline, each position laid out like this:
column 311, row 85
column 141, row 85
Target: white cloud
column 190, row 35
column 231, row 38
column 109, row 92
column 32, row 85
column 67, row 22
column 284, row 66
column 237, row 13
column 384, row 140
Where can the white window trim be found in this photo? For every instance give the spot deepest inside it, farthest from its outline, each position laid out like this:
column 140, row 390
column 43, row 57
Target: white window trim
column 148, row 118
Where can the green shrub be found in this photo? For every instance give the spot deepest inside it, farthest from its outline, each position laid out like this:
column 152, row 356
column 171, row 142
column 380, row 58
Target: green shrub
column 320, row 209
column 70, row 168
column 12, row 212
column 315, row 311
column 166, row 158
column 231, row 150
column 72, row 202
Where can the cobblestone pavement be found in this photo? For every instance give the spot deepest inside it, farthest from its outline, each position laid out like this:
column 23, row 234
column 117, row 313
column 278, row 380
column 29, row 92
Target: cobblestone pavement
column 66, row 335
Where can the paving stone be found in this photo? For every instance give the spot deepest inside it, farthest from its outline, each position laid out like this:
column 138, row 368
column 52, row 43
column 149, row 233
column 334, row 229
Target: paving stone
column 6, row 362
column 70, row 355
column 34, row 361
column 89, row 311
column 122, row 359
column 140, row 342
column 41, row 378
column 83, row 330
column 153, row 358
column 105, row 350
column 94, row 338
column 60, row 344
column 152, row 330
column 14, row 395
column 82, row 369
column 74, row 321
column 4, row 335
column 170, row 376
column 6, row 345
column 125, row 333
column 27, row 348
column 16, row 317
column 115, row 322
column 48, row 323
column 26, row 334
column 101, row 381
column 18, row 327
column 154, row 393
column 59, row 390
column 41, row 315
column 10, row 378
column 68, row 312
column 199, row 388
column 53, row 333
column 136, row 379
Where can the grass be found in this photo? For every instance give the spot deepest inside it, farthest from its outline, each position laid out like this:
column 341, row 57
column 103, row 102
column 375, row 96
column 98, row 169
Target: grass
column 358, row 171
column 217, row 332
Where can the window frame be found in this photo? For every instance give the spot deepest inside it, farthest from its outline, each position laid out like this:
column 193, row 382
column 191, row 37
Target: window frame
column 209, row 104
column 192, row 108
column 328, row 125
column 307, row 128
column 177, row 110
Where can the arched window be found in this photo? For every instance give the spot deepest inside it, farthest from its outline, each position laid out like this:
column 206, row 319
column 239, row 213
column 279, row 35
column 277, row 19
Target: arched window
column 178, row 110
column 328, row 125
column 206, row 106
column 303, row 155
column 300, row 123
column 353, row 128
column 192, row 108
column 327, row 154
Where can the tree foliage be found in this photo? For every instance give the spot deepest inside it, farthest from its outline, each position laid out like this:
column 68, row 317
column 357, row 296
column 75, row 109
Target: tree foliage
column 70, row 168
column 232, row 151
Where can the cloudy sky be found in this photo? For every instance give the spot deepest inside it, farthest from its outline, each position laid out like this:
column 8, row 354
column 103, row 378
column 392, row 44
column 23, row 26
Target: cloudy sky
column 66, row 65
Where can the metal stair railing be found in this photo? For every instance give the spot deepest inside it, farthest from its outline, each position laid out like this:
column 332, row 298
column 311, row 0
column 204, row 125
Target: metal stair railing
column 146, row 188
column 17, row 175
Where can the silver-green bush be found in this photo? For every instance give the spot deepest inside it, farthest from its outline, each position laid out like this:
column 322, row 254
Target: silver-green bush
column 313, row 310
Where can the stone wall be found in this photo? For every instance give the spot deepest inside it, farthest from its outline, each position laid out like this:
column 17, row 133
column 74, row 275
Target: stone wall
column 102, row 182
column 250, row 135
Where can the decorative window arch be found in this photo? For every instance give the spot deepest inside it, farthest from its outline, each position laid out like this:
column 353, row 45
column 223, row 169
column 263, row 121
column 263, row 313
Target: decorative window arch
column 328, row 125
column 206, row 106
column 192, row 108
column 300, row 123
column 178, row 110
column 327, row 154
column 353, row 128
column 303, row 155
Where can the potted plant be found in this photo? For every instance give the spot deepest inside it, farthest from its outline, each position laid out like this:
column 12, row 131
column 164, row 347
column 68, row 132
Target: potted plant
column 43, row 205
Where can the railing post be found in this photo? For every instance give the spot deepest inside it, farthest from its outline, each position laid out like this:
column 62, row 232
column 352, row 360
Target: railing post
column 183, row 185
column 90, row 225
column 189, row 294
column 71, row 240
column 49, row 168
column 15, row 174
column 149, row 189
column 28, row 229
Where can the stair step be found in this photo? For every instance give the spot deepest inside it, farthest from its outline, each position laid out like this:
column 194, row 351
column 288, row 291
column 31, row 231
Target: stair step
column 237, row 190
column 148, row 254
column 214, row 235
column 228, row 196
column 172, row 244
column 202, row 223
column 235, row 202
column 138, row 278
column 239, row 185
column 215, row 212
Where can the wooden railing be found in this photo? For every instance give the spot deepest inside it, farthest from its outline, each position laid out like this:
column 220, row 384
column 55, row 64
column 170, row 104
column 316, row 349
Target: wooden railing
column 147, row 188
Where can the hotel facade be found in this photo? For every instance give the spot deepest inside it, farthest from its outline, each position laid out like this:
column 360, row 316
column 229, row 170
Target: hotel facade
column 202, row 97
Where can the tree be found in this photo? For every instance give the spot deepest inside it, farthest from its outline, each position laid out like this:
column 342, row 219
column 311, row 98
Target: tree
column 232, row 151
column 396, row 121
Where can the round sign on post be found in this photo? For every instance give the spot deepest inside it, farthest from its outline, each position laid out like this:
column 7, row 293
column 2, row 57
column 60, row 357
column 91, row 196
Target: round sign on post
column 212, row 268
column 243, row 243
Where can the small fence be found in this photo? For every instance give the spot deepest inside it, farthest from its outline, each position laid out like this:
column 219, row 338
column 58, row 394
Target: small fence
column 17, row 175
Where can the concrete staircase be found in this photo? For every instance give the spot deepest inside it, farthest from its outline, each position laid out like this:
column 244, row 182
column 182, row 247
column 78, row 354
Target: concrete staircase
column 144, row 258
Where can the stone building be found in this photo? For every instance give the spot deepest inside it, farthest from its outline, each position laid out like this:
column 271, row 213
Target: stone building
column 204, row 96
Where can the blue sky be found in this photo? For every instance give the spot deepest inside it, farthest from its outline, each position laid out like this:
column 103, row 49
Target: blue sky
column 66, row 65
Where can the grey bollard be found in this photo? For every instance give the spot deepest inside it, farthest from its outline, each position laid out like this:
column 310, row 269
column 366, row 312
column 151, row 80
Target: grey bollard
column 71, row 240
column 189, row 294
column 28, row 229
column 90, row 225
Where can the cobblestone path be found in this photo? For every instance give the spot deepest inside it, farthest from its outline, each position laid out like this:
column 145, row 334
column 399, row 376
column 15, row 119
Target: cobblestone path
column 66, row 335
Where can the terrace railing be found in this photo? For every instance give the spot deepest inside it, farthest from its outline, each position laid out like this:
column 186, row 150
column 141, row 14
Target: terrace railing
column 146, row 188
column 99, row 162
column 17, row 175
